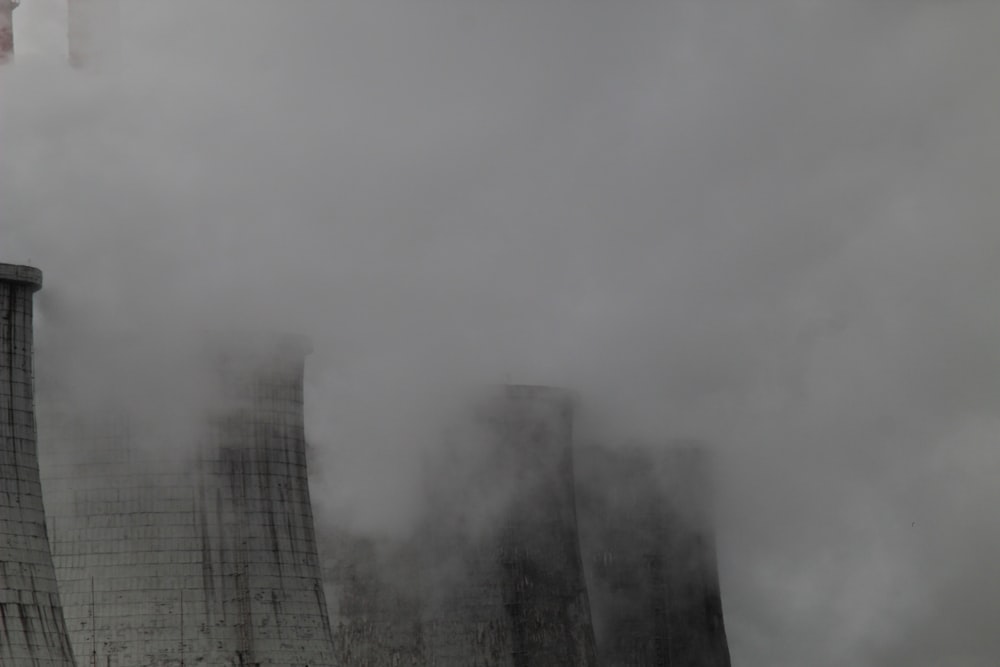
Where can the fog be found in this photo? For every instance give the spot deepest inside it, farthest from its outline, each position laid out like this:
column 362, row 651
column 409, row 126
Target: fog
column 769, row 224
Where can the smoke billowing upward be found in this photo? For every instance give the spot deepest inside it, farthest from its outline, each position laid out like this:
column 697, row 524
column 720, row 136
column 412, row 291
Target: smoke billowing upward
column 768, row 224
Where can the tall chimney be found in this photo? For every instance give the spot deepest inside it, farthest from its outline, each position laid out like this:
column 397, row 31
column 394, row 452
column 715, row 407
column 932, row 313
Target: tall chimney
column 32, row 628
column 7, row 8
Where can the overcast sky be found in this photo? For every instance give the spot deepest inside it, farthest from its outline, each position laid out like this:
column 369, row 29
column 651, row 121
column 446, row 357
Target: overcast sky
column 767, row 223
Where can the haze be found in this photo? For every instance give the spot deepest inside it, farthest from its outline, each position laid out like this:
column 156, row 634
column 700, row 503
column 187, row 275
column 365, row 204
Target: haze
column 770, row 224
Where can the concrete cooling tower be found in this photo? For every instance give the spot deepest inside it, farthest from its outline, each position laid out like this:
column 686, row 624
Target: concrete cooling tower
column 648, row 545
column 193, row 553
column 505, row 580
column 93, row 32
column 375, row 601
column 32, row 630
column 7, row 8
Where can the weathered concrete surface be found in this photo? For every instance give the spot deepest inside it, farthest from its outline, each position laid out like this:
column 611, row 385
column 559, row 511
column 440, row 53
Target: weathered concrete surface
column 649, row 552
column 32, row 630
column 375, row 602
column 506, row 585
column 206, row 555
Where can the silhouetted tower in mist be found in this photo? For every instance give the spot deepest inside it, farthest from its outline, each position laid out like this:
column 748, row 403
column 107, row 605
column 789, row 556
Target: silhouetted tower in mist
column 93, row 32
column 373, row 589
column 204, row 553
column 7, row 8
column 32, row 630
column 507, row 586
column 648, row 544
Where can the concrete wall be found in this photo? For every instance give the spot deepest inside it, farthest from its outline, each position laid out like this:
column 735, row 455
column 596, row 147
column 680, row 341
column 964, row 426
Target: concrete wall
column 32, row 629
column 206, row 554
column 647, row 537
column 505, row 580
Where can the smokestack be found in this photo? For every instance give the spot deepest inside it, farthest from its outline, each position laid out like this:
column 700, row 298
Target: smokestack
column 648, row 544
column 205, row 558
column 7, row 8
column 93, row 33
column 32, row 628
column 507, row 560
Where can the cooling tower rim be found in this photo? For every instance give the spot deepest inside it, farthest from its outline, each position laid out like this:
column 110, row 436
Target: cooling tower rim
column 197, row 345
column 670, row 451
column 489, row 400
column 21, row 274
column 535, row 392
column 257, row 342
column 680, row 446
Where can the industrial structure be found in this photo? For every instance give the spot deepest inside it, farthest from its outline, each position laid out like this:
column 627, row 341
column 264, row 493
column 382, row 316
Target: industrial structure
column 7, row 8
column 376, row 602
column 201, row 549
column 32, row 630
column 193, row 553
column 504, row 575
column 93, row 32
column 647, row 537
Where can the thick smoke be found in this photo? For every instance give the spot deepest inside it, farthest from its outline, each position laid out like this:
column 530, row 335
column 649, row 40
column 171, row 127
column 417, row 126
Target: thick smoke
column 765, row 223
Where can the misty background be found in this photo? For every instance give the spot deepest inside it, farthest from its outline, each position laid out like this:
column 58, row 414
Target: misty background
column 769, row 224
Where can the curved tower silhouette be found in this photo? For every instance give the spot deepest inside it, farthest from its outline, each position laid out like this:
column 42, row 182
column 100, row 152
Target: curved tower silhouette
column 7, row 8
column 202, row 552
column 32, row 630
column 648, row 544
column 373, row 588
column 507, row 566
column 93, row 33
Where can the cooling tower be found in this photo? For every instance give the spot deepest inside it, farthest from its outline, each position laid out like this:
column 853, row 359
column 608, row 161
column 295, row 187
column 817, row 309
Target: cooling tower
column 32, row 630
column 375, row 604
column 93, row 32
column 505, row 580
column 648, row 545
column 198, row 552
column 7, row 8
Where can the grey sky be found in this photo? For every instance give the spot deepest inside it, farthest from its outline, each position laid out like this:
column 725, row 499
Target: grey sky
column 768, row 223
